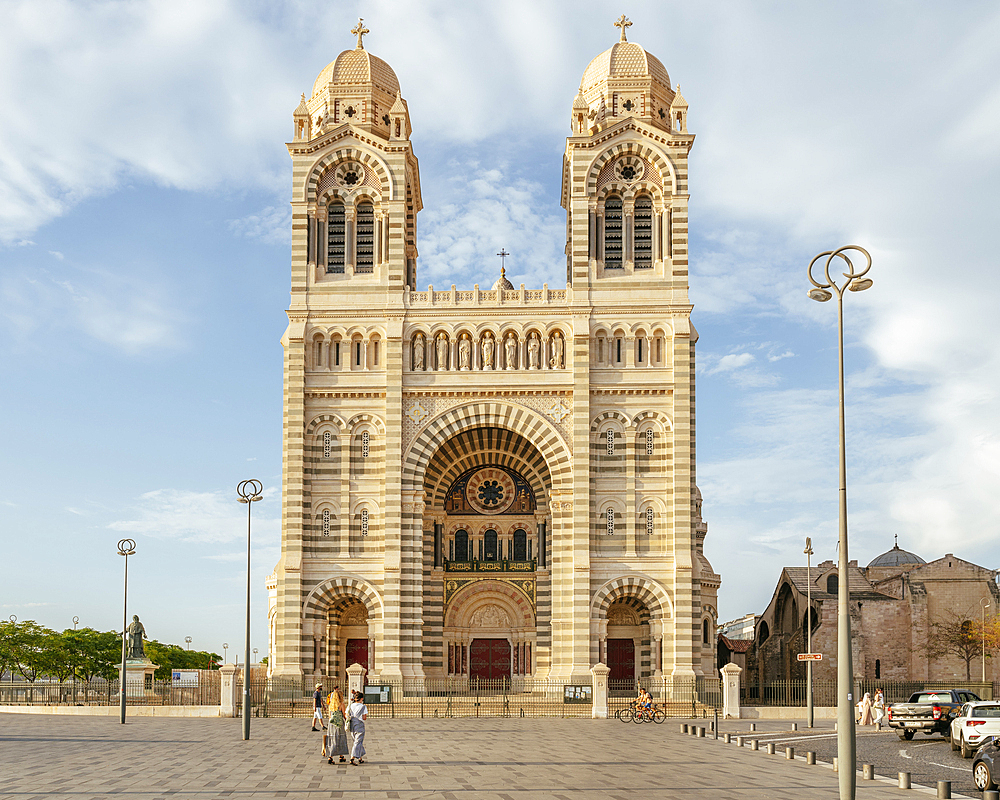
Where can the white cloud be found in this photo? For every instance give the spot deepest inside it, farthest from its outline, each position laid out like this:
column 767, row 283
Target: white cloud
column 730, row 362
column 271, row 225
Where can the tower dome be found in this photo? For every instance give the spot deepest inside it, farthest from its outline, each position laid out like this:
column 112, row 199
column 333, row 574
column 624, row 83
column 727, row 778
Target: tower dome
column 357, row 67
column 624, row 60
column 896, row 557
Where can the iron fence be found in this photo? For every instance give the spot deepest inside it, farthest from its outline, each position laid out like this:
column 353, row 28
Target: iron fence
column 676, row 697
column 100, row 692
column 793, row 692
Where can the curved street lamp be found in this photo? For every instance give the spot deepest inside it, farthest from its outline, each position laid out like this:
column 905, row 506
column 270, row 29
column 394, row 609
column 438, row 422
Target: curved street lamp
column 225, row 650
column 126, row 547
column 249, row 492
column 822, row 291
column 187, row 641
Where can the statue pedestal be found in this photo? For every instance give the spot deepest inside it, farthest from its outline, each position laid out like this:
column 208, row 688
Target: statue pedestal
column 139, row 677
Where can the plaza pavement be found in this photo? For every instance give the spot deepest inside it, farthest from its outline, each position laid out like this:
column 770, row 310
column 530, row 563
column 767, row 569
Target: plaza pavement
column 491, row 758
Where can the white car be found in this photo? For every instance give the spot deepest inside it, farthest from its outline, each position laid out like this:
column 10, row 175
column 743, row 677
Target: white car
column 973, row 725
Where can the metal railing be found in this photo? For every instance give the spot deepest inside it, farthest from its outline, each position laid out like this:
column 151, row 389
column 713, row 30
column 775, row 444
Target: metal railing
column 676, row 697
column 100, row 692
column 793, row 692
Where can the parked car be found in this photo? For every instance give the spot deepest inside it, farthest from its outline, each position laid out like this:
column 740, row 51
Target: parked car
column 974, row 724
column 984, row 765
column 928, row 712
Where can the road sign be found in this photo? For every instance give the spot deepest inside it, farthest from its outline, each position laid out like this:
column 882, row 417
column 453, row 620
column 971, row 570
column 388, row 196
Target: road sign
column 810, row 656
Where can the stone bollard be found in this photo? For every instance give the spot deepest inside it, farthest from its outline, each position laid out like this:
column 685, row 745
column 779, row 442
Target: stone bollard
column 789, row 753
column 904, row 780
column 753, row 726
column 754, row 744
column 795, row 726
column 739, row 741
column 701, row 732
column 991, row 794
column 835, row 767
column 770, row 748
column 684, row 727
column 944, row 789
column 810, row 757
column 868, row 772
column 727, row 738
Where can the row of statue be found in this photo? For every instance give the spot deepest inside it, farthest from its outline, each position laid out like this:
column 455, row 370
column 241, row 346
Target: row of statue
column 490, row 350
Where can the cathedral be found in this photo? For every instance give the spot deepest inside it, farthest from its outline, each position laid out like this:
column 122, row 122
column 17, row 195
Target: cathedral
column 491, row 482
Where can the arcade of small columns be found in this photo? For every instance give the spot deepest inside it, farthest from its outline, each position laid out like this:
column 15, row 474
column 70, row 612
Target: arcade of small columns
column 446, row 527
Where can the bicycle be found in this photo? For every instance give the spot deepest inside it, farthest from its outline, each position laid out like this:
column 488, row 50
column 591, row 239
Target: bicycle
column 648, row 715
column 626, row 714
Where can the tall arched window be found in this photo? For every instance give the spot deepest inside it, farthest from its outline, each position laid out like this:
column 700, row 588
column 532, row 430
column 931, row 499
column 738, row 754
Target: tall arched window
column 643, row 251
column 832, row 584
column 520, row 545
column 365, row 241
column 613, row 233
column 704, row 631
column 336, row 252
column 491, row 552
column 461, row 545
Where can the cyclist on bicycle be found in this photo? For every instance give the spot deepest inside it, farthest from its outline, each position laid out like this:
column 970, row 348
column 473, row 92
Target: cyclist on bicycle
column 644, row 702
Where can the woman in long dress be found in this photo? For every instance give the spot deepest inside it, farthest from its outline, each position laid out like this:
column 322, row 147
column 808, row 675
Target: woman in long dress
column 866, row 709
column 357, row 712
column 878, row 707
column 336, row 735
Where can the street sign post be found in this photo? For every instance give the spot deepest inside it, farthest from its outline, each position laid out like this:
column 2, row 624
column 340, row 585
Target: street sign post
column 810, row 656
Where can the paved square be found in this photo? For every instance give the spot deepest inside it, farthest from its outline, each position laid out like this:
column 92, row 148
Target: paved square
column 575, row 759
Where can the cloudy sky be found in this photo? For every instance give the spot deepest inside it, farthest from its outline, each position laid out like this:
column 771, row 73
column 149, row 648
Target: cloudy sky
column 144, row 268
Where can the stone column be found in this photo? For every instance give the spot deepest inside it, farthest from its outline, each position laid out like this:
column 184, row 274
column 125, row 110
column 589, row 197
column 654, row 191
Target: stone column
column 599, row 674
column 730, row 691
column 227, row 705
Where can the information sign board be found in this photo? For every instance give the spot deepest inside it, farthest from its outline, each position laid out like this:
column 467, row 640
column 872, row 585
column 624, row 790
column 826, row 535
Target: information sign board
column 377, row 694
column 810, row 656
column 184, row 677
column 577, row 694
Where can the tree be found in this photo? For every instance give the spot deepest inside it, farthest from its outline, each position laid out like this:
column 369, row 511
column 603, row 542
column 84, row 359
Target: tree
column 169, row 657
column 958, row 636
column 92, row 653
column 31, row 648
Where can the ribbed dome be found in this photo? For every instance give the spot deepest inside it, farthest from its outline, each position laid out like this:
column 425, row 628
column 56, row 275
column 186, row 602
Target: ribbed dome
column 502, row 282
column 896, row 558
column 358, row 66
column 624, row 60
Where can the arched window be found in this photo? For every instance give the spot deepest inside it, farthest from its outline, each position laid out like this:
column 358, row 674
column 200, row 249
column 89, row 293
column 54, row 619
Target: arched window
column 832, row 584
column 609, row 516
column 649, row 521
column 704, row 631
column 365, row 240
column 763, row 632
column 610, row 437
column 364, row 521
column 365, row 444
column 490, row 548
column 643, row 253
column 336, row 251
column 649, row 441
column 520, row 545
column 326, row 522
column 878, row 668
column 461, row 545
column 613, row 233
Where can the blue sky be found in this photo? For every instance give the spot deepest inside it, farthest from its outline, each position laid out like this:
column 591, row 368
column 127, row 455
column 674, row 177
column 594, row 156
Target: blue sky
column 144, row 268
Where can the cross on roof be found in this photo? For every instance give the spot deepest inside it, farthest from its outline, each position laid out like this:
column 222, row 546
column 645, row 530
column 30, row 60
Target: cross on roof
column 623, row 22
column 503, row 259
column 360, row 30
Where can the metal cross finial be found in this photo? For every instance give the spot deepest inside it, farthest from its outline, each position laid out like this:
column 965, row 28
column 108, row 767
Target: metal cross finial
column 503, row 260
column 360, row 30
column 623, row 22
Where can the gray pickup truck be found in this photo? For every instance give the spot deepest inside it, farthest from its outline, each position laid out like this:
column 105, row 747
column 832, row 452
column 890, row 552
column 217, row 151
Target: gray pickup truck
column 927, row 712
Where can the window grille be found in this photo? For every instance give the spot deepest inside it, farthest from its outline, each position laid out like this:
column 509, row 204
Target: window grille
column 365, row 239
column 649, row 442
column 335, row 251
column 327, row 444
column 611, row 442
column 326, row 522
column 365, row 443
column 364, row 521
column 649, row 521
column 613, row 233
column 610, row 516
column 643, row 256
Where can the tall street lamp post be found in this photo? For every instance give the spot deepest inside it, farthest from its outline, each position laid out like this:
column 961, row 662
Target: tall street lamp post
column 809, row 633
column 126, row 547
column 854, row 281
column 225, row 652
column 249, row 492
column 13, row 621
column 187, row 641
column 985, row 602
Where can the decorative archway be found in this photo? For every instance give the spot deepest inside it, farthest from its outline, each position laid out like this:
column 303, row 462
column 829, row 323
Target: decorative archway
column 489, row 631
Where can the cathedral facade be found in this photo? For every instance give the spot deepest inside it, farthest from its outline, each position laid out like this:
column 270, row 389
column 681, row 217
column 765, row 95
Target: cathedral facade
column 491, row 482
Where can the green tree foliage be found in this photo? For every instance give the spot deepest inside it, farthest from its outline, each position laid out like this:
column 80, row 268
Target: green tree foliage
column 92, row 654
column 169, row 657
column 31, row 649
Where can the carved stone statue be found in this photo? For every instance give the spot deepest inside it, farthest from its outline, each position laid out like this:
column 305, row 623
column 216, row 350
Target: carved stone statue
column 465, row 352
column 534, row 346
column 136, row 633
column 488, row 346
column 442, row 350
column 418, row 353
column 556, row 361
column 510, row 349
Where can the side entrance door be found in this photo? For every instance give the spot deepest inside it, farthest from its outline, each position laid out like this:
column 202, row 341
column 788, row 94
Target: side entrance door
column 357, row 653
column 621, row 662
column 489, row 659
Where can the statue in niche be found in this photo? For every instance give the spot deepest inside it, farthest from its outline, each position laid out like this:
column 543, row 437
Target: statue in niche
column 488, row 345
column 534, row 348
column 556, row 361
column 465, row 352
column 418, row 353
column 442, row 350
column 136, row 633
column 510, row 349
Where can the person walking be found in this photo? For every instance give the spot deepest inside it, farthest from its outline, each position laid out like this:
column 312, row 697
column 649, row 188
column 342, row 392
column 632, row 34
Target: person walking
column 336, row 733
column 878, row 707
column 357, row 713
column 318, row 708
column 866, row 709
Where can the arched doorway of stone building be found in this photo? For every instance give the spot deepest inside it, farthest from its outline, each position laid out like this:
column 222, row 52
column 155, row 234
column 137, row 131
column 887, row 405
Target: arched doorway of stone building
column 627, row 643
column 343, row 620
column 349, row 638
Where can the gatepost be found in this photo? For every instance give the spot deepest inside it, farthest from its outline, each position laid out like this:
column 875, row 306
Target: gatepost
column 730, row 691
column 599, row 710
column 355, row 679
column 228, row 692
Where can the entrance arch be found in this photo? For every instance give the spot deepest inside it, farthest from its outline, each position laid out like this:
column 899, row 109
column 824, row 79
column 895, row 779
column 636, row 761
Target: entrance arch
column 343, row 620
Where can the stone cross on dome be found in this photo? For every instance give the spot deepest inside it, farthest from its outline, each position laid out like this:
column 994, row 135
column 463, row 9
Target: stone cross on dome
column 503, row 262
column 622, row 22
column 360, row 30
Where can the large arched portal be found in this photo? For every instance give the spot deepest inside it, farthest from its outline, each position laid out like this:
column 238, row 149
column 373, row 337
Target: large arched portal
column 485, row 522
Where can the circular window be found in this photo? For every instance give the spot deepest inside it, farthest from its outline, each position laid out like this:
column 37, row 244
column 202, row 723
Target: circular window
column 629, row 169
column 350, row 174
column 490, row 491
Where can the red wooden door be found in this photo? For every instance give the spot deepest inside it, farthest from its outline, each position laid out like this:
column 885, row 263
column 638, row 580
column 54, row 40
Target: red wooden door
column 357, row 653
column 621, row 662
column 489, row 659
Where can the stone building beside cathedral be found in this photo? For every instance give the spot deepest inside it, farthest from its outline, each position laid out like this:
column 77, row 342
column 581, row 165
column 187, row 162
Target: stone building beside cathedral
column 491, row 482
